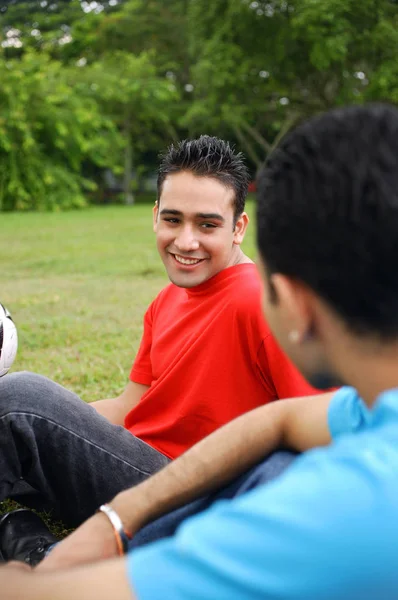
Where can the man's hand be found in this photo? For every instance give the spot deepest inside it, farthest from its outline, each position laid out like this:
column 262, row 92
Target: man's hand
column 116, row 409
column 91, row 542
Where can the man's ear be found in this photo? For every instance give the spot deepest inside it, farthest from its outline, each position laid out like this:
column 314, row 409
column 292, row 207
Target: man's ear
column 155, row 215
column 240, row 228
column 296, row 306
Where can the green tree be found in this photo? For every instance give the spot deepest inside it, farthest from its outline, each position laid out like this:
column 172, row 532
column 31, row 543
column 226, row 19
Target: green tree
column 48, row 24
column 159, row 29
column 263, row 65
column 48, row 128
column 151, row 71
column 124, row 91
column 136, row 99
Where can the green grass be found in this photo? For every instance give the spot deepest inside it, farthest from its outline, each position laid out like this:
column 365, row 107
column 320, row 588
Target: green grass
column 77, row 285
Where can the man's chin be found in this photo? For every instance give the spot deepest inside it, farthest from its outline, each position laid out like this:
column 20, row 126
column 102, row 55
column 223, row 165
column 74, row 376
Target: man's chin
column 185, row 282
column 324, row 380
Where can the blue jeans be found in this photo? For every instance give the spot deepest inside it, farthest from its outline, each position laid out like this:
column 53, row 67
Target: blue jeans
column 166, row 526
column 59, row 447
column 261, row 474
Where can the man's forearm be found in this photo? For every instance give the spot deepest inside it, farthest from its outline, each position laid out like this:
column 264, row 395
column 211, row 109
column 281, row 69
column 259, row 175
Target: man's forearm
column 92, row 582
column 204, row 468
column 298, row 424
column 207, row 466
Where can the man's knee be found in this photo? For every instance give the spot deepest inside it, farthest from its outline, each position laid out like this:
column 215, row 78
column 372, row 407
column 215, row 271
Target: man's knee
column 24, row 391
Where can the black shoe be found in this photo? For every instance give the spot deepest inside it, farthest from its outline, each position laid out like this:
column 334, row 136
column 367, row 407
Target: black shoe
column 24, row 537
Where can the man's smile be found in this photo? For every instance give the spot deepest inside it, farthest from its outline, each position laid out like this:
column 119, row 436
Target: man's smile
column 184, row 260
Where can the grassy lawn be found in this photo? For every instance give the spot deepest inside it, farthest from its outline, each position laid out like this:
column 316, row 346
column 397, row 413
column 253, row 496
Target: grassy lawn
column 77, row 285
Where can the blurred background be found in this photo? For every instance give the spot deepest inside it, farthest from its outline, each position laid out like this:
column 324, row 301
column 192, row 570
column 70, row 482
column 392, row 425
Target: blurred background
column 92, row 91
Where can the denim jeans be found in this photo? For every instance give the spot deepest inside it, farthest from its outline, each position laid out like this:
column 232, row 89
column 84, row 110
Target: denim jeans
column 64, row 450
column 261, row 474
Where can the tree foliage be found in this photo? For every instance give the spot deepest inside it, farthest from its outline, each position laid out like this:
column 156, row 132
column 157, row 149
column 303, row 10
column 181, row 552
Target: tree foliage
column 262, row 66
column 88, row 85
column 47, row 130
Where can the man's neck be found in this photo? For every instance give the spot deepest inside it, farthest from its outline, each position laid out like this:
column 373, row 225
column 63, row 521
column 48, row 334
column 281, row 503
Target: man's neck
column 239, row 259
column 368, row 364
column 372, row 373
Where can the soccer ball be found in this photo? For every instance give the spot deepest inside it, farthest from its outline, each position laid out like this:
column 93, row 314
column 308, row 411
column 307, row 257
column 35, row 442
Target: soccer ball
column 8, row 341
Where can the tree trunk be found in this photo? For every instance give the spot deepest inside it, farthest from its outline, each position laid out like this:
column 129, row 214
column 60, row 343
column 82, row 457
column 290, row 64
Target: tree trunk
column 286, row 126
column 128, row 163
column 247, row 146
column 256, row 136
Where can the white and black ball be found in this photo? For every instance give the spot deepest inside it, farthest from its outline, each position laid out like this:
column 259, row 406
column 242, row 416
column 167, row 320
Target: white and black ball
column 8, row 341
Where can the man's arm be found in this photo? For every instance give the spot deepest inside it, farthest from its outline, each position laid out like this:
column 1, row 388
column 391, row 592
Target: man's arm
column 116, row 409
column 93, row 582
column 300, row 424
column 300, row 537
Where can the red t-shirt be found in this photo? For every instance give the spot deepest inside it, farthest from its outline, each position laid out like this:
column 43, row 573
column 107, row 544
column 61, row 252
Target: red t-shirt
column 208, row 356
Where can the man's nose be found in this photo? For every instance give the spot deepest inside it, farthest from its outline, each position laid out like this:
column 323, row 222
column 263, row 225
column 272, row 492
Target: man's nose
column 186, row 240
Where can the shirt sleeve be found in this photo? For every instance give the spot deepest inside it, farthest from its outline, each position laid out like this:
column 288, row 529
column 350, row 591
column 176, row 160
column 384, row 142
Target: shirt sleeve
column 141, row 371
column 347, row 412
column 293, row 539
column 286, row 379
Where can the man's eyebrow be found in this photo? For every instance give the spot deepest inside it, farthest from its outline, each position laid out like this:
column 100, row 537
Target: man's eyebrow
column 210, row 216
column 172, row 211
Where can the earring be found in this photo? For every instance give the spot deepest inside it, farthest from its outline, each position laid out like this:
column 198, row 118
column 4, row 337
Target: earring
column 294, row 336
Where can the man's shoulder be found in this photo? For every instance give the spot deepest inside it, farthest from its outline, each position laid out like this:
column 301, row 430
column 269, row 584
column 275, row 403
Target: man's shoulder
column 243, row 281
column 346, row 489
column 170, row 291
column 170, row 295
column 364, row 458
column 244, row 292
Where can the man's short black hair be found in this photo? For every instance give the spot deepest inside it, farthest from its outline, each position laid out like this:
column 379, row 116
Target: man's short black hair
column 328, row 213
column 208, row 157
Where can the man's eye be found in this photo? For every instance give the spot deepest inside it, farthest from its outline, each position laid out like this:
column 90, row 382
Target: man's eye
column 208, row 225
column 172, row 221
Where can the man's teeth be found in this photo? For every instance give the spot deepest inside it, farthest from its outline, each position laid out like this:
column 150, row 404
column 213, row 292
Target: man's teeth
column 186, row 261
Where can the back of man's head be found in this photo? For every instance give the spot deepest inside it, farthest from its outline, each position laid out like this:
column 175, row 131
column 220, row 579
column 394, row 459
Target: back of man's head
column 208, row 157
column 328, row 214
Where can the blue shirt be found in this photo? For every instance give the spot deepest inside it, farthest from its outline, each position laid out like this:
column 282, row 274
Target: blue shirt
column 325, row 529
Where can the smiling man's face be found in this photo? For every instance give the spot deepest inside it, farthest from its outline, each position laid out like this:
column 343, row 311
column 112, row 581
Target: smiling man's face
column 194, row 226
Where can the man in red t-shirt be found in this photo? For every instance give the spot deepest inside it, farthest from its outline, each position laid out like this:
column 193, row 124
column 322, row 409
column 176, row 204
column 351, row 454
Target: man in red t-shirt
column 206, row 355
